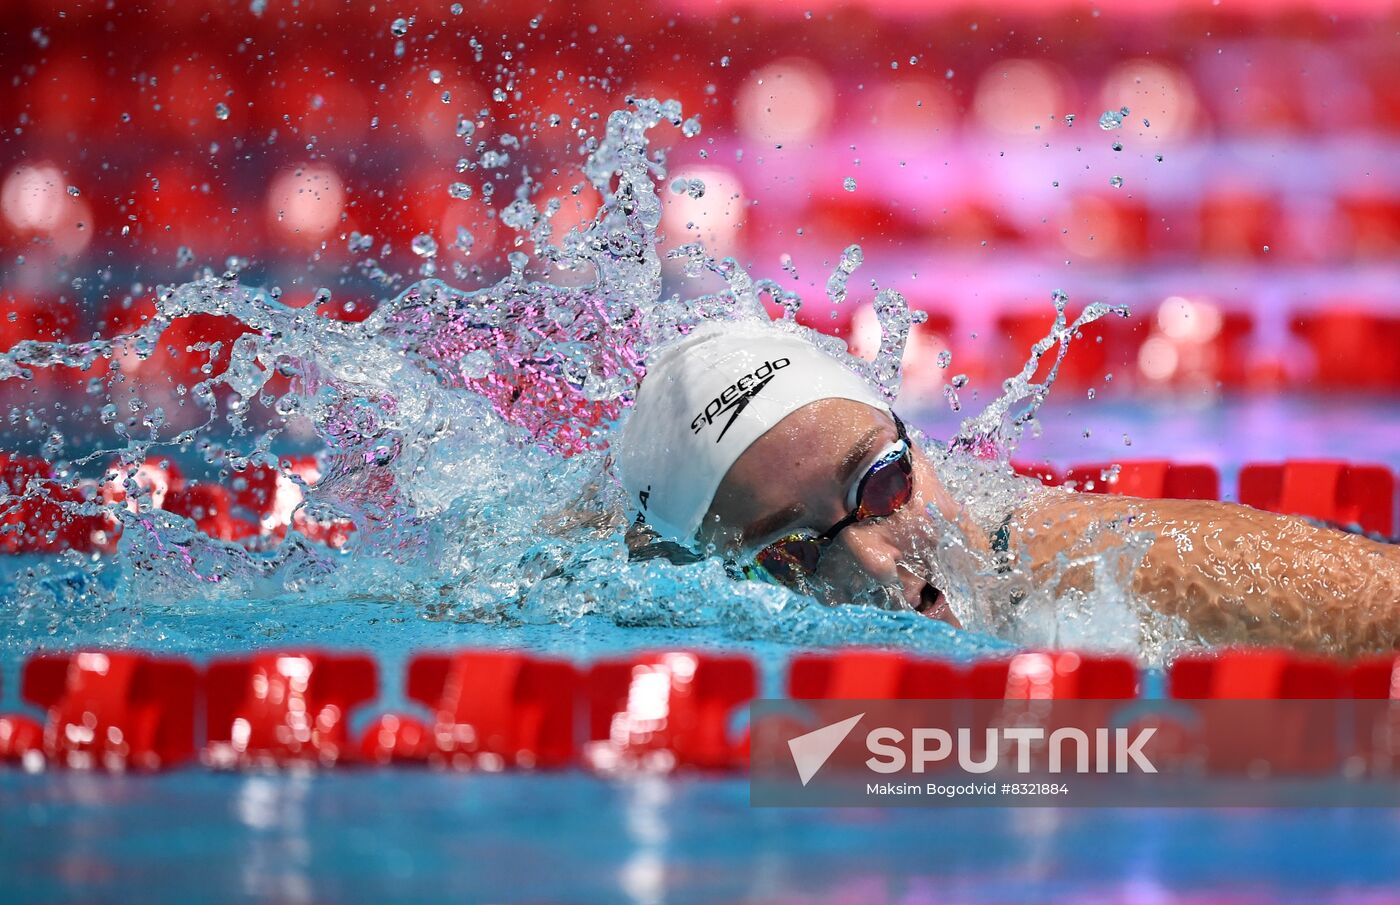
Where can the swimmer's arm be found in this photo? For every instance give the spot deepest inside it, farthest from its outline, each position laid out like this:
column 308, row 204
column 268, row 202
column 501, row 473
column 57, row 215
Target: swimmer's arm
column 1234, row 574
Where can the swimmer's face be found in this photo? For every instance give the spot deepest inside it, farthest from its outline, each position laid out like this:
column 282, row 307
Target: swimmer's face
column 799, row 478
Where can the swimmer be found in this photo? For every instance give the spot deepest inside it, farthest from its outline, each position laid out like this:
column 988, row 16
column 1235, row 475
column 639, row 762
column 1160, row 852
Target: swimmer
column 748, row 442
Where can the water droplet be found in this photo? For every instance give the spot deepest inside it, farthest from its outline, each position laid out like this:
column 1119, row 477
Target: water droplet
column 1112, row 119
column 221, row 111
column 1127, row 441
column 691, row 127
column 460, row 191
column 851, row 258
column 424, row 245
column 1116, row 182
column 945, row 358
column 456, row 9
column 435, row 76
column 724, row 62
column 1092, row 392
column 849, row 184
column 399, row 27
column 1117, row 146
column 73, row 190
column 257, row 7
column 1158, row 157
column 1266, row 249
column 948, row 74
column 1069, row 119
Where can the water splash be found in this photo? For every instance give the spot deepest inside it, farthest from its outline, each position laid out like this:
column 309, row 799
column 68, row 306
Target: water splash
column 460, row 440
column 996, row 431
column 472, row 424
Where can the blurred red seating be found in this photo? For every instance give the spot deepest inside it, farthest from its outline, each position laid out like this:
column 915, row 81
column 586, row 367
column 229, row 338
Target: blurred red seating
column 1155, row 479
column 24, row 317
column 1371, row 224
column 872, row 675
column 40, row 514
column 1254, row 675
column 1054, row 675
column 667, row 710
column 1239, row 224
column 1362, row 495
column 184, row 353
column 153, row 479
column 1112, row 227
column 211, row 508
column 317, row 96
column 493, row 710
column 174, row 205
column 1194, row 343
column 858, row 218
column 255, row 489
column 966, row 224
column 1351, row 349
column 285, row 707
column 114, row 710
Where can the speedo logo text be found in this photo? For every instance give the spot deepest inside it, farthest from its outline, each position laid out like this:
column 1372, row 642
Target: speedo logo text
column 736, row 396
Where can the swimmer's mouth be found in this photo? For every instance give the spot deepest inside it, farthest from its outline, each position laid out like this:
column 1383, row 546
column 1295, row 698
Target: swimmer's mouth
column 932, row 603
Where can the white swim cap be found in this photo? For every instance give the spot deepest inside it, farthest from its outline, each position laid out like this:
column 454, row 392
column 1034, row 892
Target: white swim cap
column 705, row 399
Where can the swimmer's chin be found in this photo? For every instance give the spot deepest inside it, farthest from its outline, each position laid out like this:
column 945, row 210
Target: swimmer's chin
column 933, row 603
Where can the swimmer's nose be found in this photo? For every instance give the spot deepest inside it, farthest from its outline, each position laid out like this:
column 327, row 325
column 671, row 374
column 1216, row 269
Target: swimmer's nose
column 872, row 547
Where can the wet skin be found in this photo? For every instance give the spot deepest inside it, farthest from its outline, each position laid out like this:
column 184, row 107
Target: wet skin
column 801, row 475
column 1232, row 573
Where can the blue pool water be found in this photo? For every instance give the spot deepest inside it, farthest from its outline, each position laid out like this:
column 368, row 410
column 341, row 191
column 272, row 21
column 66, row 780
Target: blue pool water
column 414, row 835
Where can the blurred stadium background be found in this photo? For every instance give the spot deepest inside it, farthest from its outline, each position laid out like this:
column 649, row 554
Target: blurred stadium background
column 1247, row 210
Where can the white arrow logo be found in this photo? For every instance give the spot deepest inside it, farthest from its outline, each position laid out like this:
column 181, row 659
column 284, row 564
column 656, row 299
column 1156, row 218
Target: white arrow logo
column 810, row 751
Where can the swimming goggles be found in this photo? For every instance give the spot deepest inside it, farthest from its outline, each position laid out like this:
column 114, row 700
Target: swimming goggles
column 885, row 487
